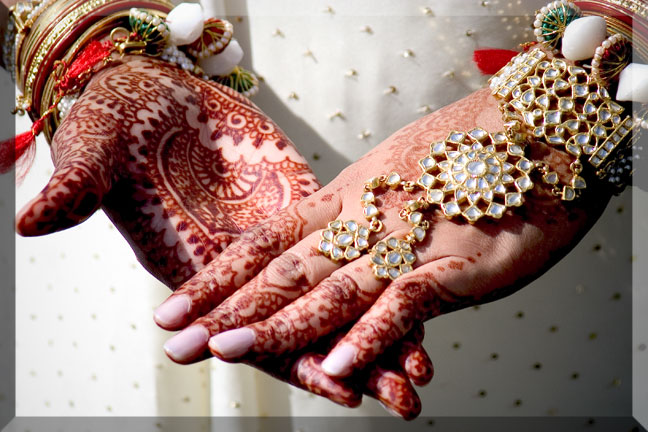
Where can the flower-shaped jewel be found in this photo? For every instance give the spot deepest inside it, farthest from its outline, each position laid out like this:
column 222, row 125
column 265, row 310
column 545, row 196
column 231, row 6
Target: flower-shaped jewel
column 614, row 54
column 344, row 240
column 215, row 37
column 150, row 28
column 475, row 174
column 552, row 20
column 392, row 258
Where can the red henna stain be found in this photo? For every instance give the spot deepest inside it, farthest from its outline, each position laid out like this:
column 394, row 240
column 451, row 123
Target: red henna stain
column 456, row 265
column 327, row 197
column 441, row 269
column 471, row 260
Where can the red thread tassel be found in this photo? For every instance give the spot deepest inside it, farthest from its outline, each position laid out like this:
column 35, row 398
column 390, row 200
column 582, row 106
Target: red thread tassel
column 13, row 149
column 21, row 147
column 491, row 60
column 83, row 64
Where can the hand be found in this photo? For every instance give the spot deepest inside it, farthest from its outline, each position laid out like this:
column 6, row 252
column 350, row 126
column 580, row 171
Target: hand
column 181, row 165
column 388, row 380
column 301, row 295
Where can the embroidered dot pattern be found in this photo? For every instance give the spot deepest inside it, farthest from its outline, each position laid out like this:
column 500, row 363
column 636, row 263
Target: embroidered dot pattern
column 484, row 357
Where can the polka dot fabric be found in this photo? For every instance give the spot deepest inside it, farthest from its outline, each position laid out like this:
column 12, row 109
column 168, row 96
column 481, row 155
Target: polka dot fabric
column 338, row 77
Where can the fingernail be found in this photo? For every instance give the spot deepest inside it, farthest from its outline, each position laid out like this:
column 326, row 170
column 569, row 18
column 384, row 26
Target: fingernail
column 339, row 362
column 187, row 343
column 233, row 343
column 172, row 312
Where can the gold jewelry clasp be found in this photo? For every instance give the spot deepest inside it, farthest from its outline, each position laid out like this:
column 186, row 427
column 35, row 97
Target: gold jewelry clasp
column 124, row 44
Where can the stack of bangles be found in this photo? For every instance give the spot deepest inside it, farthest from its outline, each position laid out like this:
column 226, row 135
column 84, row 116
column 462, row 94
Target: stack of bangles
column 576, row 89
column 59, row 44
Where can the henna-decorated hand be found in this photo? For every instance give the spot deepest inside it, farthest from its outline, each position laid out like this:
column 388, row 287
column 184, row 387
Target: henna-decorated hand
column 301, row 295
column 183, row 167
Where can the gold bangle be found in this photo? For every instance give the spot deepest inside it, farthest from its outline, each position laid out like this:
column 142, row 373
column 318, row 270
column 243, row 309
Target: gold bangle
column 97, row 31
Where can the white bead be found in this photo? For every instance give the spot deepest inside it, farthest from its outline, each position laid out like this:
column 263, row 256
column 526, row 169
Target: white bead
column 156, row 21
column 633, row 83
column 224, row 62
column 537, row 23
column 544, row 10
column 537, row 32
column 186, row 23
column 582, row 37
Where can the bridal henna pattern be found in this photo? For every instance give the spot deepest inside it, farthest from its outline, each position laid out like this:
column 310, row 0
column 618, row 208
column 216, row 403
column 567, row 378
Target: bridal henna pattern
column 459, row 264
column 182, row 166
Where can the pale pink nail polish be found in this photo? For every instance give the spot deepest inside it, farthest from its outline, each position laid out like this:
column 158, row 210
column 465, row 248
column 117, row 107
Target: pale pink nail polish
column 187, row 344
column 172, row 312
column 340, row 361
column 233, row 343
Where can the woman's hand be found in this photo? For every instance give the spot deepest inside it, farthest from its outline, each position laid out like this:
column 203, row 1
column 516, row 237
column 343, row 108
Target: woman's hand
column 290, row 294
column 181, row 165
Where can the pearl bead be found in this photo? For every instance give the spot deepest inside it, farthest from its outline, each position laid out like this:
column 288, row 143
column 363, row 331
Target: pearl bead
column 186, row 23
column 633, row 83
column 224, row 62
column 582, row 37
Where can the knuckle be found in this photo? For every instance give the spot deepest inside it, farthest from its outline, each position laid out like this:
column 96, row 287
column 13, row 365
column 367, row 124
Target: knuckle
column 290, row 268
column 343, row 287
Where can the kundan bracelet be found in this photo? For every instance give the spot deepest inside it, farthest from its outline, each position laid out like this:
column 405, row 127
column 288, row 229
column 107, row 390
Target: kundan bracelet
column 562, row 101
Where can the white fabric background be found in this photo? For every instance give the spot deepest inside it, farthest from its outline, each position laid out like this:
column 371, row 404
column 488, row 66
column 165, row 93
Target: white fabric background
column 86, row 341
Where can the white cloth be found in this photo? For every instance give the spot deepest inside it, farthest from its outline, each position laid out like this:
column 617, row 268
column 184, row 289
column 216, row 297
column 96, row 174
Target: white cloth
column 88, row 309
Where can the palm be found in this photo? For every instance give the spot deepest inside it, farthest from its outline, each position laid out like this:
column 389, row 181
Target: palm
column 181, row 165
column 184, row 167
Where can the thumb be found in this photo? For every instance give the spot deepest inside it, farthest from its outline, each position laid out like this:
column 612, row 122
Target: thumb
column 82, row 176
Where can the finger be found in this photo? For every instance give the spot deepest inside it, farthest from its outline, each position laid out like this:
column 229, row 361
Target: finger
column 84, row 159
column 308, row 375
column 245, row 258
column 286, row 278
column 413, row 358
column 394, row 391
column 335, row 301
column 409, row 300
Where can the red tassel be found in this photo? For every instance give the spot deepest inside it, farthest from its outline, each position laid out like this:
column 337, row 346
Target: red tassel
column 491, row 60
column 20, row 150
column 83, row 64
column 15, row 148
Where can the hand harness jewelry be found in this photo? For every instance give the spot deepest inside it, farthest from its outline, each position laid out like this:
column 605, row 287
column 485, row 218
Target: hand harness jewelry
column 475, row 174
